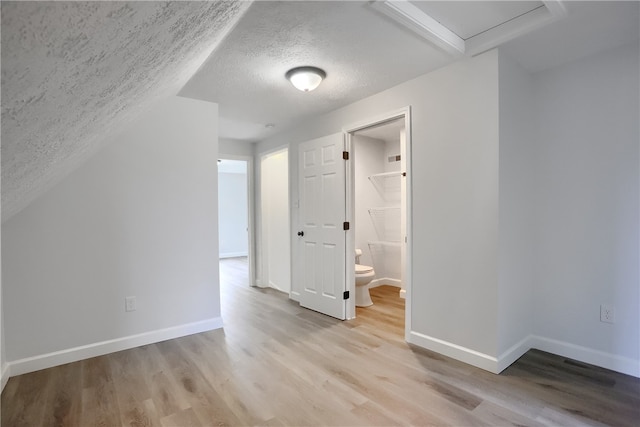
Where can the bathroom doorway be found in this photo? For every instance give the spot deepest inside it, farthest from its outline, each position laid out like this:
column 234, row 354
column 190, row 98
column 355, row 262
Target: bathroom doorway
column 378, row 199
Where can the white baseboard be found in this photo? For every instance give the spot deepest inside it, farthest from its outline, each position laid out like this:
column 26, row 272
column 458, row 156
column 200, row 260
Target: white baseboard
column 588, row 355
column 513, row 353
column 232, row 254
column 496, row 365
column 4, row 375
column 49, row 360
column 463, row 354
column 403, row 293
column 385, row 281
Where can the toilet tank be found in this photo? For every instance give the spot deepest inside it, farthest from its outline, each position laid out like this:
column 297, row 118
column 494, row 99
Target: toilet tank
column 358, row 254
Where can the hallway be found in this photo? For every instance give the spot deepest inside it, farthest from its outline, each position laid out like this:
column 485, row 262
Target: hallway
column 275, row 363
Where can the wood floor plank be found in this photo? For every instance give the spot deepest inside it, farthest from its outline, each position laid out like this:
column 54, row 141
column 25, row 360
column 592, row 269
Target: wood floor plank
column 164, row 399
column 205, row 401
column 496, row 415
column 277, row 364
column 184, row 418
column 27, row 405
column 64, row 404
column 131, row 390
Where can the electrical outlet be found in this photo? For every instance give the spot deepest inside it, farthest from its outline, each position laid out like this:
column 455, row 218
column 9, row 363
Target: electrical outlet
column 130, row 304
column 607, row 313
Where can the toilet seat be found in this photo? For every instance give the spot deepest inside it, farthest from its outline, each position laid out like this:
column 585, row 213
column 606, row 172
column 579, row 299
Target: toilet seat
column 362, row 269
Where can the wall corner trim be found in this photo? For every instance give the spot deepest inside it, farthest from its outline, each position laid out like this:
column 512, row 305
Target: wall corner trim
column 591, row 356
column 455, row 351
column 4, row 376
column 35, row 363
column 514, row 353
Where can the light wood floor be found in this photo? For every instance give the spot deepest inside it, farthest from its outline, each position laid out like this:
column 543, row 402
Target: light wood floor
column 277, row 364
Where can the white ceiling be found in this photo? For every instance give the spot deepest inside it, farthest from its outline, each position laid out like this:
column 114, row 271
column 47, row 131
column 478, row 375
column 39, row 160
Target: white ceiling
column 362, row 51
column 365, row 51
column 74, row 73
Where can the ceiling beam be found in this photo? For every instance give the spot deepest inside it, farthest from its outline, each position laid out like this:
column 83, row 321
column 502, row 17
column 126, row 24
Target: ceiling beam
column 415, row 19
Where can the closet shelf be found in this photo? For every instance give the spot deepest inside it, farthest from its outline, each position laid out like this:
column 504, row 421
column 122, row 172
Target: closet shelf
column 386, row 175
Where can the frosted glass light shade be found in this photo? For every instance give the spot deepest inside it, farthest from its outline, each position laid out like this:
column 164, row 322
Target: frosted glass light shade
column 305, row 78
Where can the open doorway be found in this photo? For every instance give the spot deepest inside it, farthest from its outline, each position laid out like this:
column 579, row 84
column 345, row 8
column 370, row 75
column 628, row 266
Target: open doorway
column 274, row 221
column 234, row 221
column 379, row 208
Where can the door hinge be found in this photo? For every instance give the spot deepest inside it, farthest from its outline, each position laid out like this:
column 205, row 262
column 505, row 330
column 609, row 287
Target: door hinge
column 345, row 155
column 345, row 295
column 345, row 225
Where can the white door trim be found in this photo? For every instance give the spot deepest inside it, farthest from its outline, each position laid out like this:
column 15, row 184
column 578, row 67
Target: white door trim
column 262, row 275
column 350, row 246
column 251, row 253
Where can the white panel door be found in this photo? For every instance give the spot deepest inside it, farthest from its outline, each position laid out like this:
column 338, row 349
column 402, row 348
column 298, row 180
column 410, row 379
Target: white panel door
column 321, row 237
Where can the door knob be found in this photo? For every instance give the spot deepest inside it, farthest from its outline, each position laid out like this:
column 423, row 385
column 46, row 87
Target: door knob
column 300, row 233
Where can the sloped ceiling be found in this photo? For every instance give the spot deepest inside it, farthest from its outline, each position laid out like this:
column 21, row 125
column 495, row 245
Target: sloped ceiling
column 75, row 72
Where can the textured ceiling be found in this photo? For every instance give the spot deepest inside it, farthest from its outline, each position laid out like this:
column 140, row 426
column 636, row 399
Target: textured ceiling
column 75, row 72
column 362, row 51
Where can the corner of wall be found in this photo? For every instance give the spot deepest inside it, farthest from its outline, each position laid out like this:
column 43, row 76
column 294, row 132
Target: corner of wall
column 516, row 207
column 4, row 375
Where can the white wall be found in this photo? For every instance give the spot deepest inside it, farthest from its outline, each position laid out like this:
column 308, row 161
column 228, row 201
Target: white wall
column 235, row 147
column 587, row 190
column 517, row 208
column 138, row 219
column 455, row 199
column 525, row 206
column 4, row 374
column 232, row 214
column 275, row 221
column 4, row 367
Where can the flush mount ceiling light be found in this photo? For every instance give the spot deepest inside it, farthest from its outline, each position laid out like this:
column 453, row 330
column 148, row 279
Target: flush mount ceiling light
column 305, row 79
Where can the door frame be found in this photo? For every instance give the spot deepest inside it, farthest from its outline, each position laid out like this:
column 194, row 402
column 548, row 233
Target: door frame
column 262, row 255
column 350, row 198
column 251, row 259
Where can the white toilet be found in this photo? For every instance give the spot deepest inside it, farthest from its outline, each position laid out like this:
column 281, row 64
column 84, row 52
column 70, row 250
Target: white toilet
column 364, row 275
